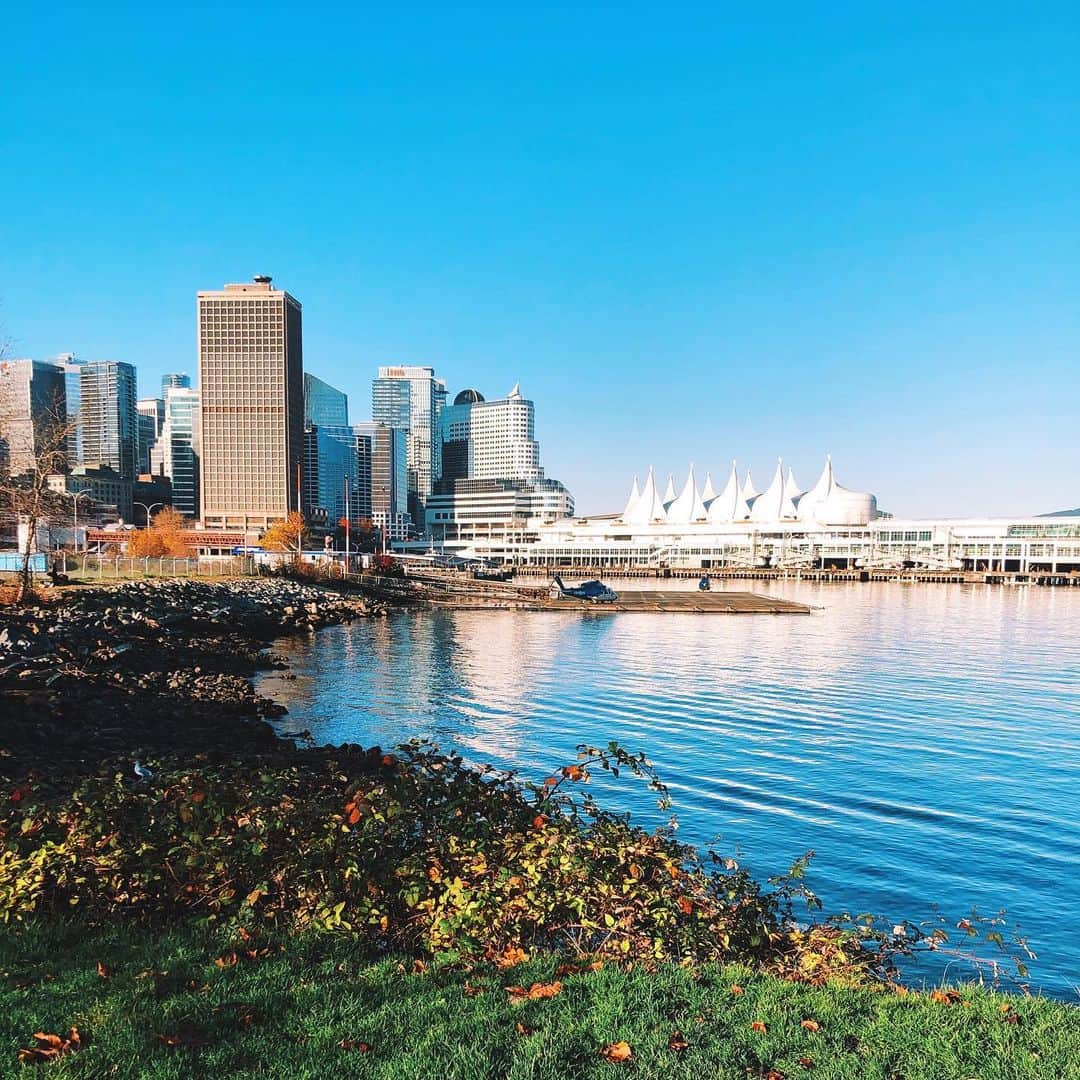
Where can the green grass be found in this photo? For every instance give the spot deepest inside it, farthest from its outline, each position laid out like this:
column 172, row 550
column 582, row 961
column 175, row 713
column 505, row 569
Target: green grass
column 312, row 992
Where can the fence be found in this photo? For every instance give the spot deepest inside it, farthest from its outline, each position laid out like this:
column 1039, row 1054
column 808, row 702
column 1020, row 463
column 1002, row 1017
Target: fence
column 120, row 567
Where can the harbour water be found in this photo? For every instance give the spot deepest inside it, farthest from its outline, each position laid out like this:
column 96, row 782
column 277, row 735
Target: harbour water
column 924, row 741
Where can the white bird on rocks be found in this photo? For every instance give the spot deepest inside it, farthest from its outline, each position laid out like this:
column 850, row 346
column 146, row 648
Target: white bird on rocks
column 142, row 772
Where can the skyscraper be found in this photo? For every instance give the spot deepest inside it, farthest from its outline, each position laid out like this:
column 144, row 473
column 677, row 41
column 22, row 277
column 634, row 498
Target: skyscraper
column 31, row 400
column 151, row 421
column 252, row 404
column 179, row 443
column 323, row 403
column 109, row 417
column 72, row 367
column 410, row 398
column 386, row 450
column 179, row 379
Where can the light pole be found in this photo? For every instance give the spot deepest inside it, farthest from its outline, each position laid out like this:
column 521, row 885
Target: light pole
column 148, row 510
column 75, row 496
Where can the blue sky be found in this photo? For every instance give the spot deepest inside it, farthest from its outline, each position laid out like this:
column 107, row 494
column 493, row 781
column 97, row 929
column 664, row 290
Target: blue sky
column 691, row 232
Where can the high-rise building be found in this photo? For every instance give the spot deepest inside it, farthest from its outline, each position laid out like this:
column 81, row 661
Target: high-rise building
column 177, row 452
column 151, row 421
column 324, row 404
column 490, row 440
column 252, row 404
column 109, row 417
column 174, row 379
column 410, row 398
column 32, row 400
column 387, row 451
column 492, row 486
column 72, row 367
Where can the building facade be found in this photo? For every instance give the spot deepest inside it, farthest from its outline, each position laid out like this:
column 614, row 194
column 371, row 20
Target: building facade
column 324, row 405
column 251, row 404
column 490, row 440
column 177, row 452
column 386, row 448
column 151, row 421
column 411, row 398
column 109, row 417
column 32, row 399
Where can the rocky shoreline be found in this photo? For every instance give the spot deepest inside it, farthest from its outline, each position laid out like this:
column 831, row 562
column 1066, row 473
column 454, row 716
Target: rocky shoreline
column 98, row 675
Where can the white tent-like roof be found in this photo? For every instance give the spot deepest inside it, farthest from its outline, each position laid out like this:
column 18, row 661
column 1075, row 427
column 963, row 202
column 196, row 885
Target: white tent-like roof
column 688, row 506
column 708, row 492
column 669, row 492
column 631, row 503
column 749, row 492
column 774, row 504
column 649, row 507
column 818, row 493
column 729, row 505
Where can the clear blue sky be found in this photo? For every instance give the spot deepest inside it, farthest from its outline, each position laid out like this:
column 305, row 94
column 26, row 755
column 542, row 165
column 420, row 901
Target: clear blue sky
column 692, row 232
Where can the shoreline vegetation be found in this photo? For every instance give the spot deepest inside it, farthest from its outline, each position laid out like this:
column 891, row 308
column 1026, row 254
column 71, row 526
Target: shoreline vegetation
column 258, row 905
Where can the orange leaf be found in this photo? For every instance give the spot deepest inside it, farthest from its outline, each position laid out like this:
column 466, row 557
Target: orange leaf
column 521, row 1029
column 676, row 1042
column 510, row 957
column 472, row 991
column 618, row 1051
column 551, row 781
column 198, row 796
column 182, row 1040
column 686, row 905
column 536, row 992
column 539, row 821
column 230, row 959
column 103, row 970
column 806, row 1063
column 354, row 816
column 573, row 772
column 759, row 1026
column 389, row 760
column 736, row 989
column 945, row 997
column 811, row 1025
column 774, row 1074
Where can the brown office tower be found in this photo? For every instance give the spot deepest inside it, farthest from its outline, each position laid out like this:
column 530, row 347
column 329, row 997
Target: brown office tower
column 252, row 406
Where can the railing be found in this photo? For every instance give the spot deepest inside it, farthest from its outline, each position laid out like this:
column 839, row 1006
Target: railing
column 90, row 567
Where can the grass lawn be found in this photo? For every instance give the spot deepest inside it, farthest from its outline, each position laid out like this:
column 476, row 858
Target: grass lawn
column 286, row 1013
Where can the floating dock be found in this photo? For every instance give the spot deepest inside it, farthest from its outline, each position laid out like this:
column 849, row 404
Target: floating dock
column 720, row 602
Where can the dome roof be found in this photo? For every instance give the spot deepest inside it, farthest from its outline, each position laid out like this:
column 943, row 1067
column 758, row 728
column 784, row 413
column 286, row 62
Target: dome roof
column 468, row 397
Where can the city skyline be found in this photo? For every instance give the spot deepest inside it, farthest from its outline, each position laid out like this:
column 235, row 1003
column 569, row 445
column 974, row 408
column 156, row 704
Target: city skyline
column 845, row 232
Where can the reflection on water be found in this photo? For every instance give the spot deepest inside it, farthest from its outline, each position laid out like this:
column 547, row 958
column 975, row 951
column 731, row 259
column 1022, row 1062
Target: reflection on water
column 924, row 740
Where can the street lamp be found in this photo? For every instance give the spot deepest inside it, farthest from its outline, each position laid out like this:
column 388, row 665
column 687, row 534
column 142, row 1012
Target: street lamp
column 75, row 496
column 148, row 510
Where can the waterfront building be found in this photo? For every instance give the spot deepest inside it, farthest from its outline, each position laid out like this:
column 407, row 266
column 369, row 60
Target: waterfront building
column 251, row 406
column 411, row 398
column 783, row 528
column 492, row 485
column 331, row 467
column 386, row 448
column 109, row 417
column 324, row 404
column 32, row 399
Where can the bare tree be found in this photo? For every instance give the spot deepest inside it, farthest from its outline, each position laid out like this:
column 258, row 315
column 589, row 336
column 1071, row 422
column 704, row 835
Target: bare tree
column 29, row 497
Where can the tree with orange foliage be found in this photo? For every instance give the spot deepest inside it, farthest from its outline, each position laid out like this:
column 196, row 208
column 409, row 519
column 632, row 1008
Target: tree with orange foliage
column 163, row 537
column 287, row 535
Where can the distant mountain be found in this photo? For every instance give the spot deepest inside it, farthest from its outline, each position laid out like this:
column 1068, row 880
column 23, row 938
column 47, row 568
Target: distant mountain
column 1063, row 513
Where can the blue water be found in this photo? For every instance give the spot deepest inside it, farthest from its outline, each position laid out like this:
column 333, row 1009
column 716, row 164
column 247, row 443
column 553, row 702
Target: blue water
column 923, row 740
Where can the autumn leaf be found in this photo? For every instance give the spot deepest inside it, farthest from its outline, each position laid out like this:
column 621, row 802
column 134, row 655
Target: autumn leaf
column 945, row 997
column 472, row 991
column 184, row 1039
column 774, row 1074
column 616, row 1052
column 198, row 796
column 573, row 772
column 103, row 970
column 389, row 760
column 759, row 1026
column 521, row 1029
column 50, row 1047
column 539, row 821
column 676, row 1042
column 736, row 989
column 551, row 781
column 510, row 957
column 228, row 960
column 686, row 905
column 805, row 1062
column 353, row 1044
column 536, row 992
column 811, row 1025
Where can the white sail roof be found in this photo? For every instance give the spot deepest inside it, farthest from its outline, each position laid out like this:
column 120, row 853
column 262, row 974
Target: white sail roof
column 631, row 503
column 774, row 504
column 688, row 506
column 749, row 492
column 649, row 507
column 708, row 492
column 792, row 489
column 669, row 492
column 818, row 493
column 729, row 505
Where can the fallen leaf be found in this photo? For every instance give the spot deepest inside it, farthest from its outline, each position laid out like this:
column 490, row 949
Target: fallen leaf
column 618, row 1051
column 774, row 1074
column 352, row 1044
column 811, row 1025
column 472, row 991
column 539, row 821
column 50, row 1047
column 736, row 989
column 945, row 997
column 103, row 970
column 806, row 1063
column 759, row 1026
column 419, row 967
column 536, row 992
column 686, row 905
column 676, row 1042
column 521, row 1029
column 510, row 957
column 229, row 959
